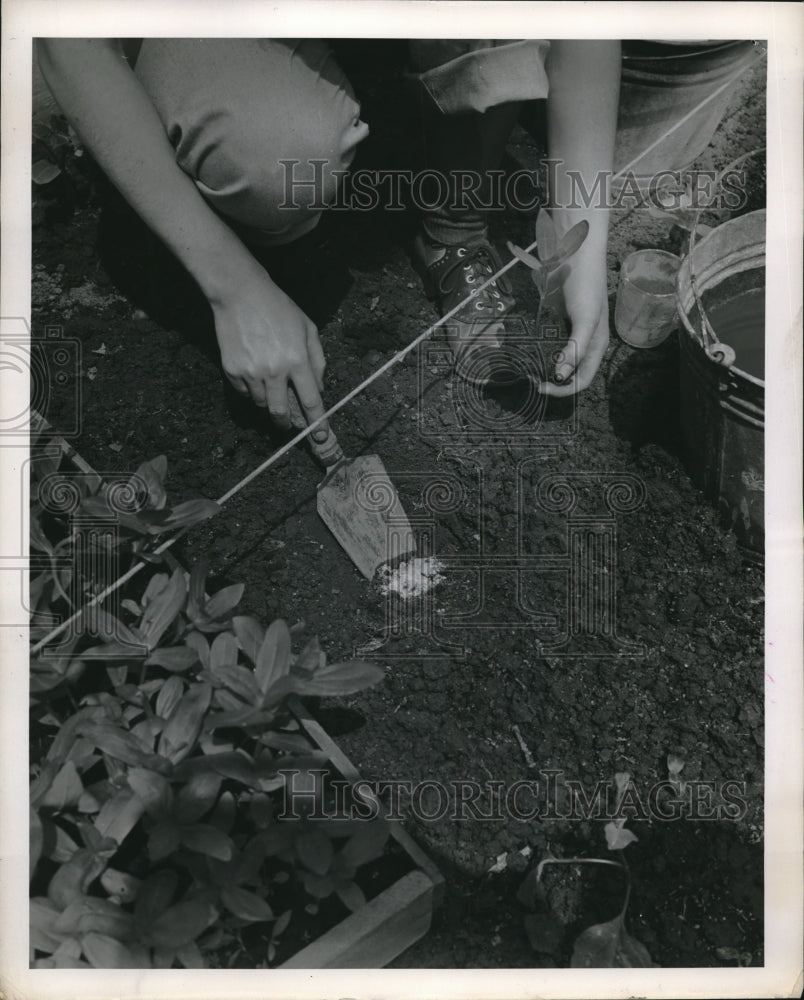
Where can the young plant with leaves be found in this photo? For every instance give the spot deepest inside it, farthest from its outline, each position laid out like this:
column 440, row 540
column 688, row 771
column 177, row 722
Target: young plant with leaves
column 551, row 256
column 154, row 832
column 601, row 946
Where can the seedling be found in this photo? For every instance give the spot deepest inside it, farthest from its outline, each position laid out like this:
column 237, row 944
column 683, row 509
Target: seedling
column 550, row 255
column 606, row 945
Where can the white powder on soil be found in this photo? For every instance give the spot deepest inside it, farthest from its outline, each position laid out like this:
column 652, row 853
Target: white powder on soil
column 412, row 578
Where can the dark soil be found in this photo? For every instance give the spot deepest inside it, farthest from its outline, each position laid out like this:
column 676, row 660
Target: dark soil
column 682, row 670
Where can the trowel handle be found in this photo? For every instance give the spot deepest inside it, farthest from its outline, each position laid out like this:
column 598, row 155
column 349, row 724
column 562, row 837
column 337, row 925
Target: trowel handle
column 328, row 452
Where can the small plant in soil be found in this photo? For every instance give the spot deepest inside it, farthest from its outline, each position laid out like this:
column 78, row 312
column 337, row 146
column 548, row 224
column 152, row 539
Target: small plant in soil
column 602, row 945
column 162, row 742
column 120, row 520
column 61, row 174
column 551, row 255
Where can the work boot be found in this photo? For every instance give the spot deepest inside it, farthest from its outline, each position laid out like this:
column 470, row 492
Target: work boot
column 476, row 332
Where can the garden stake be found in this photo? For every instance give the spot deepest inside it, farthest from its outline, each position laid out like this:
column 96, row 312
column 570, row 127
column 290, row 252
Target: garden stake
column 358, row 502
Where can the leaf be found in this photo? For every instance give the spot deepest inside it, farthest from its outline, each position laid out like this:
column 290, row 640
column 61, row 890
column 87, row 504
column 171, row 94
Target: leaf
column 294, row 743
column 42, row 915
column 224, row 814
column 155, row 895
column 74, row 878
column 119, row 815
column 154, row 588
column 197, row 642
column 273, row 659
column 152, row 789
column 224, row 601
column 281, row 924
column 570, row 244
column 36, row 839
column 241, row 681
column 632, row 954
column 117, row 743
column 597, row 946
column 246, row 905
column 618, row 837
column 223, row 652
column 111, row 629
column 182, row 923
column 153, row 475
column 66, row 789
column 545, row 933
column 163, row 840
column 190, row 957
column 332, row 680
column 240, row 717
column 196, row 589
column 318, row 886
column 531, row 890
column 208, row 840
column 314, row 849
column 162, row 610
column 532, row 262
column 37, row 537
column 121, row 885
column 234, row 764
column 101, row 916
column 190, row 512
column 351, row 895
column 197, row 796
column 311, row 658
column 545, row 235
column 675, row 765
column 169, row 696
column 43, row 172
column 181, row 732
column 105, row 952
column 175, row 658
column 365, row 845
column 250, row 634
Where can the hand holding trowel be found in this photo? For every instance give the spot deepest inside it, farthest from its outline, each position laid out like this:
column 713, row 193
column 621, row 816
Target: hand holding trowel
column 370, row 536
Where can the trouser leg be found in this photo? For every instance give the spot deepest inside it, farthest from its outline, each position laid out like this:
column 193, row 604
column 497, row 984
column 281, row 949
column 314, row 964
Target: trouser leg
column 264, row 127
column 459, row 146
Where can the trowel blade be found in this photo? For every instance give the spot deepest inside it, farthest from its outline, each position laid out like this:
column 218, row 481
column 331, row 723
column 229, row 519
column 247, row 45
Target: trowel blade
column 360, row 506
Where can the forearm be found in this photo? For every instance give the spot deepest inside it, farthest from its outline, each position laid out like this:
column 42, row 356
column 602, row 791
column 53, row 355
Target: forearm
column 582, row 123
column 117, row 122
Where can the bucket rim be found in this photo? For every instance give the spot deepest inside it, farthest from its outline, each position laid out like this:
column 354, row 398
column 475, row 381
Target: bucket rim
column 686, row 327
column 716, row 46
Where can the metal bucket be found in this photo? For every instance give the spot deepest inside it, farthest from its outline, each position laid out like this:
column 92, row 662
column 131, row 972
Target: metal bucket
column 662, row 85
column 722, row 400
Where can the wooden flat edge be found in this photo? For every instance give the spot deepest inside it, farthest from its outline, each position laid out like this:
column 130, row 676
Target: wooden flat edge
column 375, row 934
column 42, row 435
column 348, row 770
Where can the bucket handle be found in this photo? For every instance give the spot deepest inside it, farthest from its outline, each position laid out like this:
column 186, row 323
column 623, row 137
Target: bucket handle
column 720, row 353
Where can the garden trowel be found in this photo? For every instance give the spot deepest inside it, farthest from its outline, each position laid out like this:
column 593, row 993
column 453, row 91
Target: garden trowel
column 358, row 502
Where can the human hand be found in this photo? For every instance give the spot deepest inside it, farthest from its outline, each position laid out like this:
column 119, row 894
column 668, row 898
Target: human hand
column 267, row 342
column 585, row 305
